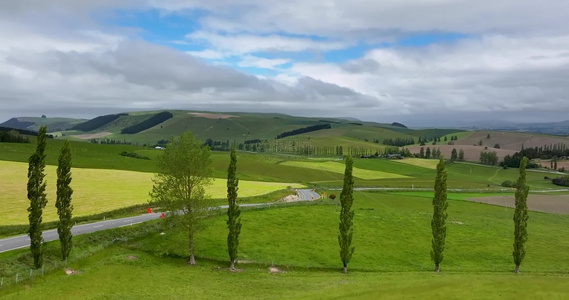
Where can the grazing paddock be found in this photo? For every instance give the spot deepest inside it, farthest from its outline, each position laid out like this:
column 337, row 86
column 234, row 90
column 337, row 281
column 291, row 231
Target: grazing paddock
column 97, row 191
column 337, row 167
column 555, row 204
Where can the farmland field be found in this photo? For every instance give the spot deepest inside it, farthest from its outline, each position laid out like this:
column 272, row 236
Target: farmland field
column 391, row 260
column 97, row 191
column 339, row 168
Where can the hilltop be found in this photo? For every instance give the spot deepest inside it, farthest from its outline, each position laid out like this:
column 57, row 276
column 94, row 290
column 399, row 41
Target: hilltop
column 274, row 132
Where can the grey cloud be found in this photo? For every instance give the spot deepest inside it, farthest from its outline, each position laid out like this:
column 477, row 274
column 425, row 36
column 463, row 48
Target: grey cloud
column 361, row 66
column 138, row 75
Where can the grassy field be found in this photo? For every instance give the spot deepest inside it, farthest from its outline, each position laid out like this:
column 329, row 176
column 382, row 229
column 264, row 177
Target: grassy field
column 339, row 167
column 98, row 190
column 391, row 260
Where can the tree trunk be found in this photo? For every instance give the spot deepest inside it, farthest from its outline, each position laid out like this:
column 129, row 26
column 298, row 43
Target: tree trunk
column 232, row 267
column 345, row 269
column 192, row 258
column 437, row 268
column 517, row 269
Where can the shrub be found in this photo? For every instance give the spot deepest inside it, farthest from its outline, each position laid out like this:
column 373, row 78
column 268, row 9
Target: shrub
column 508, row 183
column 332, row 196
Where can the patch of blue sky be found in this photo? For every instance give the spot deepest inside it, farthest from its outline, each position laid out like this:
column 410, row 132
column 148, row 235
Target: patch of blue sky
column 160, row 28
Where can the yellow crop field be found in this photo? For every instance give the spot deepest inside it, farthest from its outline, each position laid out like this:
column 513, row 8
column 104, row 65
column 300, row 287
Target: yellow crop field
column 97, row 191
column 420, row 162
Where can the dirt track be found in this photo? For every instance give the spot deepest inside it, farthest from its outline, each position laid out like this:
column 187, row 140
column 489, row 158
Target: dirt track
column 92, row 136
column 555, row 204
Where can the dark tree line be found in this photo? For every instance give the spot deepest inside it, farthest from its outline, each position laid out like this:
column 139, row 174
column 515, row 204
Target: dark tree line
column 97, row 122
column 399, row 142
column 218, row 145
column 109, row 142
column 12, row 137
column 149, row 123
column 255, row 141
column 304, row 130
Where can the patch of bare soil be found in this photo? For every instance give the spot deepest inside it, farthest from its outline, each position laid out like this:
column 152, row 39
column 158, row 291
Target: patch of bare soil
column 71, row 272
column 289, row 198
column 275, row 270
column 92, row 136
column 555, row 204
column 213, row 116
column 471, row 152
column 132, row 257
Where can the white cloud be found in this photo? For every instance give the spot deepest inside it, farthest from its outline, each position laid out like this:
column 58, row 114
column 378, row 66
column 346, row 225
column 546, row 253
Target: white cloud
column 248, row 43
column 259, row 62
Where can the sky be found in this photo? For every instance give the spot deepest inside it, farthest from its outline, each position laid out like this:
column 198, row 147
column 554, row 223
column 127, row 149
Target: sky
column 420, row 62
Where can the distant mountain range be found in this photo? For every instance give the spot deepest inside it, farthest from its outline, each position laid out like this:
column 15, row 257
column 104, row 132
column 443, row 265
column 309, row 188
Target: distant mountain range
column 555, row 128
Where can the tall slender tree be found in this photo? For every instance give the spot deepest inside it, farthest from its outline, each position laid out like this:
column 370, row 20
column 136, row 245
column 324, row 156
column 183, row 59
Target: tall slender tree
column 37, row 197
column 520, row 217
column 346, row 216
column 233, row 211
column 179, row 187
column 438, row 223
column 453, row 155
column 63, row 202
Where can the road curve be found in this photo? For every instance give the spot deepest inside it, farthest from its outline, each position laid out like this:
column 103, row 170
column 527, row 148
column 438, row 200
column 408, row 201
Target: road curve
column 307, row 195
column 23, row 241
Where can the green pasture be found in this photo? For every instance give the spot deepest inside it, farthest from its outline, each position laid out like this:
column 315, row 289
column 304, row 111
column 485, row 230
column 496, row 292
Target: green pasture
column 98, row 190
column 114, row 274
column 391, row 259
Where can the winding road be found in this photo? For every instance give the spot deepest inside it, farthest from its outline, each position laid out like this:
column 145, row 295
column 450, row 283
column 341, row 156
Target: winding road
column 23, row 241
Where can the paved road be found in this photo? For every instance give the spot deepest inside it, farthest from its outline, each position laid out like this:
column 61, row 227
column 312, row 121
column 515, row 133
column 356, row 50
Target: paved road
column 307, row 195
column 23, row 241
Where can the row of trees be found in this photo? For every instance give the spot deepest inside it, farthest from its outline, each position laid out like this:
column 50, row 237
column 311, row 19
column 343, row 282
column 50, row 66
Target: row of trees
column 97, row 122
column 148, row 123
column 399, row 142
column 438, row 221
column 304, row 130
column 12, row 136
column 489, row 158
column 38, row 199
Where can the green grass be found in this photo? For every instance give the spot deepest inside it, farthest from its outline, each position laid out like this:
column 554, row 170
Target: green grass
column 98, row 190
column 338, row 167
column 391, row 260
column 391, row 233
column 109, row 274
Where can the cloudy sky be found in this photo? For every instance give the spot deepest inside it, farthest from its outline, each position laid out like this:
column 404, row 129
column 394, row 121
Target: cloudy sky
column 424, row 62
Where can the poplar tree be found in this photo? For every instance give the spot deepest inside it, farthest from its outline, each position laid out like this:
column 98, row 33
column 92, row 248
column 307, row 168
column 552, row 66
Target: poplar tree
column 346, row 216
column 520, row 217
column 438, row 223
column 453, row 155
column 37, row 197
column 63, row 202
column 233, row 211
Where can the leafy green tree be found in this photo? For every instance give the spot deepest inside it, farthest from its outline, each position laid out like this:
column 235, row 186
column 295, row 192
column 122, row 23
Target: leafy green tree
column 179, row 186
column 63, row 202
column 453, row 155
column 438, row 223
column 346, row 216
column 422, row 152
column 461, row 155
column 520, row 217
column 428, row 153
column 37, row 197
column 233, row 211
